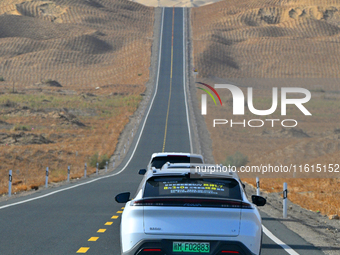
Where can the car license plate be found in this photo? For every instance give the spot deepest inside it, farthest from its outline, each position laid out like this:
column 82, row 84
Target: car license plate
column 197, row 247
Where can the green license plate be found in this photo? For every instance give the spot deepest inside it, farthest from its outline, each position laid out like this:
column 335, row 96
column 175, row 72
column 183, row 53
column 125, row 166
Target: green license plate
column 191, row 247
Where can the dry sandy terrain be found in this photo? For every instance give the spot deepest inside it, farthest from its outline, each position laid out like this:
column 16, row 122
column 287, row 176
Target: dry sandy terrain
column 79, row 70
column 80, row 44
column 176, row 3
column 264, row 44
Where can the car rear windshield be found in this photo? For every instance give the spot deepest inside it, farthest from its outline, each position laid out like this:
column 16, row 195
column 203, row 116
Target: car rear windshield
column 158, row 162
column 184, row 186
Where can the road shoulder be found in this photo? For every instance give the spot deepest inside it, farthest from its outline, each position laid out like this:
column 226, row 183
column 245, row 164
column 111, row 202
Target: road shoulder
column 314, row 228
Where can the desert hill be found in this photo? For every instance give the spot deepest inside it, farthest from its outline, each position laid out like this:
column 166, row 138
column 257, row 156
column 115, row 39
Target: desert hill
column 267, row 39
column 275, row 43
column 71, row 75
column 81, row 44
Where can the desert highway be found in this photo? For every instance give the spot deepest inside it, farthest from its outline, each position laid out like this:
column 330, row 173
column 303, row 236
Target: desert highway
column 83, row 217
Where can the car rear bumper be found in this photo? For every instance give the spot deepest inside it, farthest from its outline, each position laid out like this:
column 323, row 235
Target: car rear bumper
column 165, row 245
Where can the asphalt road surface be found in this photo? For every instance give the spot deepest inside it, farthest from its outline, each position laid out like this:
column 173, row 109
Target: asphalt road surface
column 83, row 217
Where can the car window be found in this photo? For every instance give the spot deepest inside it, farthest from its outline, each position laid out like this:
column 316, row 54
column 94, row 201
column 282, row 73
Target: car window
column 158, row 162
column 192, row 187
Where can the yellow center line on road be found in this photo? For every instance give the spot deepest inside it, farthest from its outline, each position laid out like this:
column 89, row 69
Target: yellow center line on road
column 83, row 249
column 93, row 239
column 109, row 223
column 172, row 58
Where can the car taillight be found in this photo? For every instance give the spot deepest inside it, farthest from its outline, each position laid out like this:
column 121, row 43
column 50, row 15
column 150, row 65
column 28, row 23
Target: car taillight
column 147, row 202
column 150, row 249
column 191, row 202
column 230, row 252
column 247, row 206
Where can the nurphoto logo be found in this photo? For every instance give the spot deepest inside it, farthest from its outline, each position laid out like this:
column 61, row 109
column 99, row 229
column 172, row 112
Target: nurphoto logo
column 239, row 105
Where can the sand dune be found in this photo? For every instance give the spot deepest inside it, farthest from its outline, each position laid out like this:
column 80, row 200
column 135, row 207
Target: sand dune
column 81, row 44
column 251, row 38
column 265, row 44
column 78, row 67
column 176, row 3
column 275, row 43
column 27, row 27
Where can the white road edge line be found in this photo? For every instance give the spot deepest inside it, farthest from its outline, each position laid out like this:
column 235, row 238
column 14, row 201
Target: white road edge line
column 276, row 240
column 184, row 84
column 134, row 150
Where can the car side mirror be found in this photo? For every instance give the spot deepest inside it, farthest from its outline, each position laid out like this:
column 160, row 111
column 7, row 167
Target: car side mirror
column 142, row 171
column 258, row 200
column 123, row 197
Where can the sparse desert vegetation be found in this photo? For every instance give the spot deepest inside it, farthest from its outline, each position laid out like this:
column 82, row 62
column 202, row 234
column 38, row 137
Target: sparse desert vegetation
column 57, row 131
column 264, row 44
column 72, row 73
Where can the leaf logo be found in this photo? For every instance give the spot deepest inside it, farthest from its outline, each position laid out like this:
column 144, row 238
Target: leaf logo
column 204, row 97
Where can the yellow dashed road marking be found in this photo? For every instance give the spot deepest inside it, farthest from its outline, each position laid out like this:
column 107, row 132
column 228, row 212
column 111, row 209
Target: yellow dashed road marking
column 102, row 230
column 114, row 217
column 83, row 249
column 109, row 223
column 119, row 211
column 171, row 65
column 93, row 239
column 123, row 208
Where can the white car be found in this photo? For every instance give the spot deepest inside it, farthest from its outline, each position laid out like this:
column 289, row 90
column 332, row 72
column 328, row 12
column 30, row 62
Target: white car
column 160, row 158
column 179, row 211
